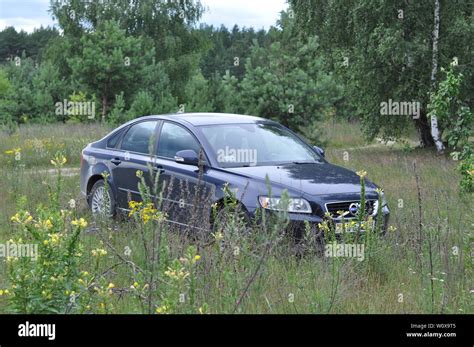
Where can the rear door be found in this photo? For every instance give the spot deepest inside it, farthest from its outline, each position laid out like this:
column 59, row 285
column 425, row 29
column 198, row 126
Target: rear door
column 136, row 153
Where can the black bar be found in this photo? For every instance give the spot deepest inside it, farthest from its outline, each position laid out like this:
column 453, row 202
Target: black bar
column 381, row 330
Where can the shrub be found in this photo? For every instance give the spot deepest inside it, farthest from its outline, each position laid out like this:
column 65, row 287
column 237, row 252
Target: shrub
column 456, row 120
column 46, row 281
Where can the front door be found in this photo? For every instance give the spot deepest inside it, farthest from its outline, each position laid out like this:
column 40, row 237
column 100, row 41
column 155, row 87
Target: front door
column 186, row 195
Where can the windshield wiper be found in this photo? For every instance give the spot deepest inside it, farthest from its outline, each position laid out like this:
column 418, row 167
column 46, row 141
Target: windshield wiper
column 298, row 163
column 305, row 162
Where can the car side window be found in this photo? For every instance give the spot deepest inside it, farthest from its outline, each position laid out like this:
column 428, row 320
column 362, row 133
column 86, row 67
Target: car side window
column 174, row 138
column 114, row 139
column 138, row 137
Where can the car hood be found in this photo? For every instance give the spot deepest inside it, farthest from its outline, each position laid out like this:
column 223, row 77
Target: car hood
column 313, row 179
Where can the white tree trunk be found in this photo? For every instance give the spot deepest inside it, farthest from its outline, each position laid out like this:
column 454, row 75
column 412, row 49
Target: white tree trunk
column 435, row 133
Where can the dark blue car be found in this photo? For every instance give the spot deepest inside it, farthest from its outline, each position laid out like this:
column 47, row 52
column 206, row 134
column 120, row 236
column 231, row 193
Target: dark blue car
column 198, row 154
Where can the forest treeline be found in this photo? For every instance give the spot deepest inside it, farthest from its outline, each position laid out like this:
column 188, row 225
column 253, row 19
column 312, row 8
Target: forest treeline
column 322, row 58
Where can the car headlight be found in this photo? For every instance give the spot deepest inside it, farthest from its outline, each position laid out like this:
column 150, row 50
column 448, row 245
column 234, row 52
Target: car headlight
column 296, row 205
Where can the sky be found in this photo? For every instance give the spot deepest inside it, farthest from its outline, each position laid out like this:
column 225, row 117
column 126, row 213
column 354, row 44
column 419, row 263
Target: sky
column 30, row 14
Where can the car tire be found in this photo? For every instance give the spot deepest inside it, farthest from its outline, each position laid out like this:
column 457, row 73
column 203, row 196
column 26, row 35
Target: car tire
column 101, row 200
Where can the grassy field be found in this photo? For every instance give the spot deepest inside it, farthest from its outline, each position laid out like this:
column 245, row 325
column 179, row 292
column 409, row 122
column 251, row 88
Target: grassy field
column 422, row 265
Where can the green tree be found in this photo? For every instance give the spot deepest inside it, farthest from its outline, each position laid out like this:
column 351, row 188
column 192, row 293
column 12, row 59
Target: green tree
column 6, row 105
column 48, row 88
column 13, row 43
column 225, row 93
column 33, row 91
column 197, row 95
column 157, row 84
column 4, row 84
column 288, row 84
column 229, row 49
column 109, row 62
column 168, row 25
column 20, row 96
column 384, row 50
column 457, row 120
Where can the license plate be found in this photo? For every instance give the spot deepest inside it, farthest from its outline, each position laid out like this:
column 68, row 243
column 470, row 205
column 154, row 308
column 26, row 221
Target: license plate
column 351, row 229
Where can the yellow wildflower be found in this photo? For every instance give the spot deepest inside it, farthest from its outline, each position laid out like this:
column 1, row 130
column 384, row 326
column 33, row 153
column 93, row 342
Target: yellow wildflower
column 54, row 238
column 218, row 236
column 15, row 218
column 99, row 252
column 81, row 222
column 59, row 161
column 162, row 309
column 178, row 275
column 13, row 151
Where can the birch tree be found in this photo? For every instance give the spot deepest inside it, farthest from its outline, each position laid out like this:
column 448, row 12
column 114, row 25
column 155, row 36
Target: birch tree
column 435, row 132
column 390, row 50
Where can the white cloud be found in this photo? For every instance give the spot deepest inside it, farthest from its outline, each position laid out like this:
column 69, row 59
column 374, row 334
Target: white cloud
column 30, row 14
column 249, row 13
column 26, row 24
column 24, row 14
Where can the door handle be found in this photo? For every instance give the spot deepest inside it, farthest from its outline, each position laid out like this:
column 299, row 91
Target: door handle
column 116, row 161
column 159, row 169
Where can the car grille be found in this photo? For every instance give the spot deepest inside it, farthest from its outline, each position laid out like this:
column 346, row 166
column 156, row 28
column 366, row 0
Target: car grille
column 335, row 207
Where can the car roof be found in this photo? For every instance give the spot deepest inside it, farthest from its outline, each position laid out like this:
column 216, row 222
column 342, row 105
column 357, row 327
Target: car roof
column 200, row 119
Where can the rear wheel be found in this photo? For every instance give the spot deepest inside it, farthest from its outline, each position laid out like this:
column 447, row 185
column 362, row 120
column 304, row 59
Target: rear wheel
column 101, row 200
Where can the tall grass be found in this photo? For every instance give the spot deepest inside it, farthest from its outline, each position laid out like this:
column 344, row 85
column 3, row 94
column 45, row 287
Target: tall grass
column 422, row 265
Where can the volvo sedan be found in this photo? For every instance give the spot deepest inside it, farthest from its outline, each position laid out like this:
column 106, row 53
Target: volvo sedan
column 194, row 156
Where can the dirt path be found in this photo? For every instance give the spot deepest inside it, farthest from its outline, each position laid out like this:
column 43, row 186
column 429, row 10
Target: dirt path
column 380, row 144
column 66, row 172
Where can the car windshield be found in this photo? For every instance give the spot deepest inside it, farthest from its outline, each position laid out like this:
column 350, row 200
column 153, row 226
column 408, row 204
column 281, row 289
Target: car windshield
column 257, row 144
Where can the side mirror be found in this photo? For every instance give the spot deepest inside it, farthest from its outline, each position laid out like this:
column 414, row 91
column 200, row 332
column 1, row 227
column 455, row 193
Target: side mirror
column 320, row 151
column 187, row 157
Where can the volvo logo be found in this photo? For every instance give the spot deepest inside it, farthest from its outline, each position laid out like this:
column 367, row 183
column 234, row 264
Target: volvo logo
column 354, row 208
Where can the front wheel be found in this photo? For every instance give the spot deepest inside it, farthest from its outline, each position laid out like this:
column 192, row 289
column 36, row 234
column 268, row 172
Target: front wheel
column 101, row 201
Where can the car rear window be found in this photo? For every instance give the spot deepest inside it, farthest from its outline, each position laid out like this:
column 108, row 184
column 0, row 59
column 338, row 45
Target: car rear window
column 114, row 139
column 138, row 137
